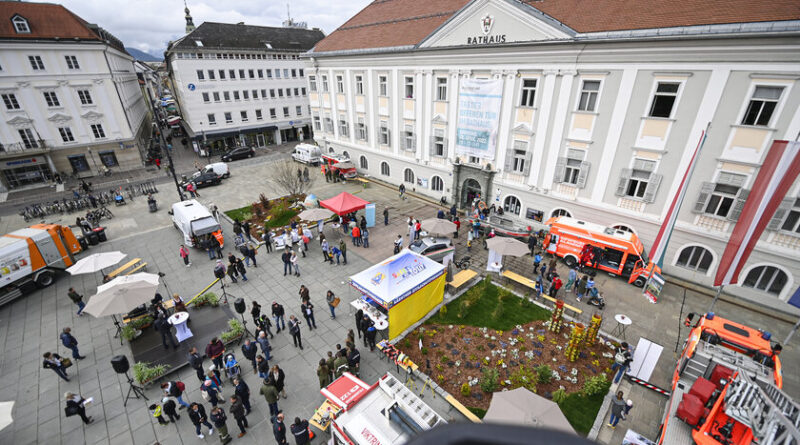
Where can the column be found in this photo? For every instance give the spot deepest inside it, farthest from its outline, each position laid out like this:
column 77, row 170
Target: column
column 504, row 139
column 334, row 111
column 350, row 99
column 548, row 89
column 370, row 120
column 397, row 114
column 452, row 113
column 561, row 115
column 426, row 131
column 419, row 125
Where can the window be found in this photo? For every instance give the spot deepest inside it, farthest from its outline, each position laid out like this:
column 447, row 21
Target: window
column 385, row 169
column 339, row 84
column 228, row 118
column 724, row 198
column 361, row 129
column 639, row 182
column 259, row 115
column 664, row 99
column 512, row 205
column 408, row 176
column 226, row 95
column 232, row 74
column 301, row 72
column 437, row 184
column 384, row 133
column 288, row 92
column 342, row 125
column 409, row 144
column 695, row 258
column 21, row 25
column 66, row 134
column 324, row 83
column 108, row 158
column 212, row 119
column 235, row 95
column 294, row 73
column 216, row 96
column 241, row 74
column 201, row 75
column 766, row 278
column 72, row 62
column 269, row 74
column 51, row 98
column 260, row 74
column 303, row 91
column 280, row 92
column 572, row 169
column 246, row 95
column 362, row 162
column 222, row 74
column 298, row 110
column 762, row 105
column 328, row 124
column 473, row 160
column 272, row 93
column 317, row 124
column 787, row 217
column 255, row 94
column 206, row 98
column 97, row 131
column 528, row 94
column 409, row 87
column 243, row 114
column 360, row 85
column 438, row 143
column 623, row 228
column 588, row 99
column 518, row 159
column 560, row 212
column 27, row 138
column 78, row 163
column 285, row 73
column 85, row 97
column 441, row 88
column 383, row 86
column 10, row 100
column 272, row 113
column 285, row 111
column 251, row 74
column 312, row 83
column 211, row 75
column 264, row 94
column 36, row 63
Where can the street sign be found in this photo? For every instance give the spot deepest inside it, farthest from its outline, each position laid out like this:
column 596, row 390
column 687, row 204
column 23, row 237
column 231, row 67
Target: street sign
column 191, row 87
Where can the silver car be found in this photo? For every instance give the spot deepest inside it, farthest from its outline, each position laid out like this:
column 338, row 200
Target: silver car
column 433, row 248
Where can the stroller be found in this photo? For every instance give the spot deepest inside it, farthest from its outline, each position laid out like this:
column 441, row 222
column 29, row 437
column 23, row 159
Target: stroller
column 119, row 200
column 232, row 367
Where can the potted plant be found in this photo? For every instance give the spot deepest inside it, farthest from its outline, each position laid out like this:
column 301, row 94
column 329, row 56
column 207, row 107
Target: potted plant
column 208, row 298
column 129, row 333
column 236, row 330
column 142, row 323
column 145, row 373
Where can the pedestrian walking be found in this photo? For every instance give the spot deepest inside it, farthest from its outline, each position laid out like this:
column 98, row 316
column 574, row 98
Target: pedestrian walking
column 278, row 378
column 242, row 391
column 531, row 244
column 264, row 343
column 572, row 277
column 622, row 359
column 336, row 252
column 251, row 254
column 175, row 389
column 293, row 260
column 184, row 253
column 70, row 342
column 270, row 393
column 323, row 374
column 370, row 336
column 210, row 392
column 366, row 323
column 255, row 311
column 205, row 244
column 329, row 364
column 262, row 365
column 56, row 363
column 219, row 418
column 238, row 413
column 246, row 230
column 555, row 285
column 402, row 190
column 294, row 329
column 77, row 299
column 343, row 249
column 359, row 316
column 339, row 364
column 197, row 414
column 537, row 260
column 240, row 268
column 286, row 257
column 308, row 313
column 196, row 362
column 580, row 288
column 457, row 222
column 192, row 189
column 617, row 408
column 168, row 405
column 300, row 431
column 277, row 315
column 250, row 350
column 264, row 324
column 165, row 329
column 364, row 240
column 279, row 429
column 76, row 405
column 552, row 266
column 386, row 216
column 332, row 301
column 156, row 411
column 267, row 238
column 214, row 350
column 353, row 360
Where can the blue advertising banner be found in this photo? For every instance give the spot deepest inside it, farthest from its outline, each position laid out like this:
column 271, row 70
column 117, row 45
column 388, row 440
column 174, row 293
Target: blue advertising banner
column 479, row 102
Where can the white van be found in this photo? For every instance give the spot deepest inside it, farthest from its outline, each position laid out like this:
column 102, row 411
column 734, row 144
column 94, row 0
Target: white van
column 194, row 220
column 220, row 168
column 307, row 154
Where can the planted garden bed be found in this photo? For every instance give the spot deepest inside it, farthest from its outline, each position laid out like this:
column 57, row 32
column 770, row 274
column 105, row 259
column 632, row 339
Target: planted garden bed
column 270, row 213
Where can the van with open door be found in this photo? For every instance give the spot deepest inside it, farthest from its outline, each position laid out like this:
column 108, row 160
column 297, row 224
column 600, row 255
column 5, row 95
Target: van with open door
column 307, row 154
column 194, row 220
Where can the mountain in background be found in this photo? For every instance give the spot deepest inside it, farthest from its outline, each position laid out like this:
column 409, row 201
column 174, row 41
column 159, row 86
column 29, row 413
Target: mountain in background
column 143, row 56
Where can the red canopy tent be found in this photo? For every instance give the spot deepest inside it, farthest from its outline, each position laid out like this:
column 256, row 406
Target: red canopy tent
column 344, row 203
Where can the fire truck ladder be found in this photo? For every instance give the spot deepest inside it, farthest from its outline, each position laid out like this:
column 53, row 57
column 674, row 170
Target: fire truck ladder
column 772, row 415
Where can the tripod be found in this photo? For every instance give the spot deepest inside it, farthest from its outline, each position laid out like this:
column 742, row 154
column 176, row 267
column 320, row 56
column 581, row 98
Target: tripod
column 246, row 331
column 136, row 390
column 119, row 329
column 224, row 294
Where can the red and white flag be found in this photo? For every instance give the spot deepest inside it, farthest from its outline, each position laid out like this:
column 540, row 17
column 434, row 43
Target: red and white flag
column 776, row 175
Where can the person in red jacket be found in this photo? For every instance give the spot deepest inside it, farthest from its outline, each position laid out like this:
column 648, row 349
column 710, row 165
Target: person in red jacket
column 555, row 285
column 214, row 350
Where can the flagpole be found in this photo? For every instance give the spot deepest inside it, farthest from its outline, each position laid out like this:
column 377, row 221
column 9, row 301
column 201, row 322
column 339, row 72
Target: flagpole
column 716, row 297
column 791, row 333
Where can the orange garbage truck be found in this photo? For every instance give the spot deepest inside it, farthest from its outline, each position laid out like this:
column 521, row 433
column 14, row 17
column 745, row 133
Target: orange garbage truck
column 30, row 258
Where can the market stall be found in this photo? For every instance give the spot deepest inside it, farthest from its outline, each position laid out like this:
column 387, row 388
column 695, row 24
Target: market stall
column 404, row 288
column 344, row 203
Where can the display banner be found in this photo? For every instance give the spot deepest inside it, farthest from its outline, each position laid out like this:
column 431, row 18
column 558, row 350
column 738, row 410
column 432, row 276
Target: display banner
column 479, row 102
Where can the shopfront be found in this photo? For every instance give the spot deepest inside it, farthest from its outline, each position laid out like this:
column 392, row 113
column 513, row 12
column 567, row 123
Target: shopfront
column 29, row 171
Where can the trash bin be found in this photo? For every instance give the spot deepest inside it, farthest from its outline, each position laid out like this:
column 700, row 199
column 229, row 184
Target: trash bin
column 101, row 233
column 93, row 238
column 82, row 241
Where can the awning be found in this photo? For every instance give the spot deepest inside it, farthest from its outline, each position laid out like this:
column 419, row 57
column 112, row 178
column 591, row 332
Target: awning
column 344, row 203
column 345, row 391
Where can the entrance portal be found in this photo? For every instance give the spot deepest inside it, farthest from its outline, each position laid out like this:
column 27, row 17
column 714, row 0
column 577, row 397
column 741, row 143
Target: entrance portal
column 470, row 190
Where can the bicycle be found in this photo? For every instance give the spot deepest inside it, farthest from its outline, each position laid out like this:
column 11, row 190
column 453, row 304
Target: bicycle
column 463, row 263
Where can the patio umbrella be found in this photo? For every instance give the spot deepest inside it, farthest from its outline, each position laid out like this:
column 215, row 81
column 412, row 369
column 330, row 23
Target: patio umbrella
column 315, row 214
column 507, row 246
column 122, row 294
column 438, row 226
column 96, row 262
column 450, row 274
column 522, row 407
column 5, row 414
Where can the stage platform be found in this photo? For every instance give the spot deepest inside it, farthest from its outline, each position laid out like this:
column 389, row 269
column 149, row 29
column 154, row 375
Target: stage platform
column 205, row 323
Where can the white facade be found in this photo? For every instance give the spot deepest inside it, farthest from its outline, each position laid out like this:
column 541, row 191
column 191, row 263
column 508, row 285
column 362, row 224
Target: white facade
column 601, row 128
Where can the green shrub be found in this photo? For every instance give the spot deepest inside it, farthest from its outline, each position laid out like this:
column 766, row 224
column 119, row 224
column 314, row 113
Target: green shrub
column 598, row 384
column 407, row 343
column 489, row 379
column 424, row 350
column 128, row 333
column 444, row 359
column 525, row 378
column 209, row 298
column 144, row 373
column 466, row 390
column 139, row 323
column 559, row 395
column 236, row 330
column 544, row 374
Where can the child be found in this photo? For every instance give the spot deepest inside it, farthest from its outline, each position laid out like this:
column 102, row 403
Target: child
column 469, row 245
column 336, row 253
column 231, row 361
column 155, row 410
column 169, row 409
column 627, row 409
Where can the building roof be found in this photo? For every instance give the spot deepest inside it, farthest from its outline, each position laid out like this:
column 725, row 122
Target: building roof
column 46, row 21
column 398, row 23
column 240, row 36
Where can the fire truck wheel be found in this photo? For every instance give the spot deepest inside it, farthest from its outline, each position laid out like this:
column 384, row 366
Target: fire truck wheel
column 639, row 282
column 44, row 279
column 570, row 261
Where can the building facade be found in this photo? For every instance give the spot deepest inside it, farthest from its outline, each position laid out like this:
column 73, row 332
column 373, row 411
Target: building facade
column 545, row 110
column 71, row 100
column 237, row 84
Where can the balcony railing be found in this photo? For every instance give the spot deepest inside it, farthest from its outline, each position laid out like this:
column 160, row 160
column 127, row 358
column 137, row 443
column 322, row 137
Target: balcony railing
column 17, row 148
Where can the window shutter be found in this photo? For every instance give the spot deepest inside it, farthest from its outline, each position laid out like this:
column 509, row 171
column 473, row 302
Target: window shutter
column 445, row 148
column 388, row 137
column 583, row 175
column 702, row 199
column 509, row 165
column 780, row 214
column 623, row 181
column 366, row 133
column 528, row 162
column 432, row 148
column 652, row 187
column 561, row 168
column 741, row 197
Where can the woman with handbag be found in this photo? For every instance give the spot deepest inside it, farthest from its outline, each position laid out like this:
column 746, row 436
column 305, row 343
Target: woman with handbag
column 333, row 301
column 76, row 405
column 57, row 364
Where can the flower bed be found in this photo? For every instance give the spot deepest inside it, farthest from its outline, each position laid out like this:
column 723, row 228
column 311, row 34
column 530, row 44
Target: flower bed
column 270, row 213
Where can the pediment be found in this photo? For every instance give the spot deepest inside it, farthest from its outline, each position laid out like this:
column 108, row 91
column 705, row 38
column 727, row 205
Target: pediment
column 439, row 119
column 19, row 122
column 523, row 128
column 92, row 116
column 496, row 22
column 59, row 118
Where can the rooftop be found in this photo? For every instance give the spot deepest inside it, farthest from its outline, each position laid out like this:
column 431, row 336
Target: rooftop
column 240, row 36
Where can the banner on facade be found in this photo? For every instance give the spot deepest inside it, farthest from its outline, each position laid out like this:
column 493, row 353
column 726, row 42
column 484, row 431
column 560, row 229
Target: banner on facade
column 479, row 102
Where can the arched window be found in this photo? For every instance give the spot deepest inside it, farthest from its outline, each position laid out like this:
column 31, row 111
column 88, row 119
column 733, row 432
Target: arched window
column 695, row 258
column 437, row 185
column 623, row 227
column 362, row 161
column 560, row 212
column 408, row 176
column 346, row 154
column 330, row 149
column 768, row 279
column 512, row 205
column 384, row 168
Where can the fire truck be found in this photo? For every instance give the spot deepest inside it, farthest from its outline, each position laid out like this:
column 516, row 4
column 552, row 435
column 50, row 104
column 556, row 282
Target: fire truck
column 726, row 389
column 622, row 252
column 339, row 165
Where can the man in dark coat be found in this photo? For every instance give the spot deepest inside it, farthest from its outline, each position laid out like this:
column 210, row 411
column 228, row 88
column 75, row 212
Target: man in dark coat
column 279, row 429
column 163, row 327
column 242, row 391
column 219, row 418
column 237, row 411
column 365, row 324
column 249, row 350
column 196, row 362
column 359, row 316
column 300, row 431
column 197, row 414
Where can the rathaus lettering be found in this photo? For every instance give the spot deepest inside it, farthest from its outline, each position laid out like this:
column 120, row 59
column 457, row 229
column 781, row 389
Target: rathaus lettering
column 486, row 39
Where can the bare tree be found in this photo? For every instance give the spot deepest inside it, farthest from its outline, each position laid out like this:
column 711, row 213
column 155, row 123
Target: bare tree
column 292, row 178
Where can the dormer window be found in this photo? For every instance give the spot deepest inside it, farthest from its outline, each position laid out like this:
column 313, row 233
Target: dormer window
column 21, row 25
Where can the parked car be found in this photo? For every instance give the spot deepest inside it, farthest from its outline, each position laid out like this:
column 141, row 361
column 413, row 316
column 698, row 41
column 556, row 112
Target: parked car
column 239, row 153
column 433, row 248
column 219, row 168
column 203, row 179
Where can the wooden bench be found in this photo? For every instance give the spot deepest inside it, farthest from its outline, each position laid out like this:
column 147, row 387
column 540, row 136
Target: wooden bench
column 462, row 278
column 138, row 268
column 532, row 284
column 316, row 419
column 462, row 409
column 122, row 268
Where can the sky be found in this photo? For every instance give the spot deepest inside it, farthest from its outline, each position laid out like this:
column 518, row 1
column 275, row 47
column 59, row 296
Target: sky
column 148, row 25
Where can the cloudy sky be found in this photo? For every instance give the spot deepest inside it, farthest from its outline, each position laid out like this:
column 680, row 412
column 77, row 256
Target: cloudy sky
column 148, row 25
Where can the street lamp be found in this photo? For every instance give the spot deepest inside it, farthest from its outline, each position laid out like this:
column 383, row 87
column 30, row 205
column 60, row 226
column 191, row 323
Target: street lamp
column 171, row 166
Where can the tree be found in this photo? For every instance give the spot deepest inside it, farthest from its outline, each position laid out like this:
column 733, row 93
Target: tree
column 287, row 178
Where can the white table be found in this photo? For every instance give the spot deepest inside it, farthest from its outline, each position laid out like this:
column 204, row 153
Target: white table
column 494, row 267
column 379, row 318
column 623, row 321
column 179, row 319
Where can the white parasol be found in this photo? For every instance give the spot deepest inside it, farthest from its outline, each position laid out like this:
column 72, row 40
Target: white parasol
column 96, row 262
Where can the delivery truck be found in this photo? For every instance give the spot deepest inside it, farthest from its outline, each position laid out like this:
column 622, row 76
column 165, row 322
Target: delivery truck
column 31, row 258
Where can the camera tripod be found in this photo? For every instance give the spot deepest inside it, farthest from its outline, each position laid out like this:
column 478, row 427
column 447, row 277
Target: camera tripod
column 135, row 389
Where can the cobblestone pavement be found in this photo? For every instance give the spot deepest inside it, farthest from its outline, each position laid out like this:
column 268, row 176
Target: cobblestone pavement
column 30, row 325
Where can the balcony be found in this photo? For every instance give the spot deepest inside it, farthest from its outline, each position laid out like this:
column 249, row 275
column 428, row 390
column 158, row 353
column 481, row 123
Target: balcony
column 20, row 148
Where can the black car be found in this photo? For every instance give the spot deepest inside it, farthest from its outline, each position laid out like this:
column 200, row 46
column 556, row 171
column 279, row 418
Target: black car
column 204, row 180
column 239, row 153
